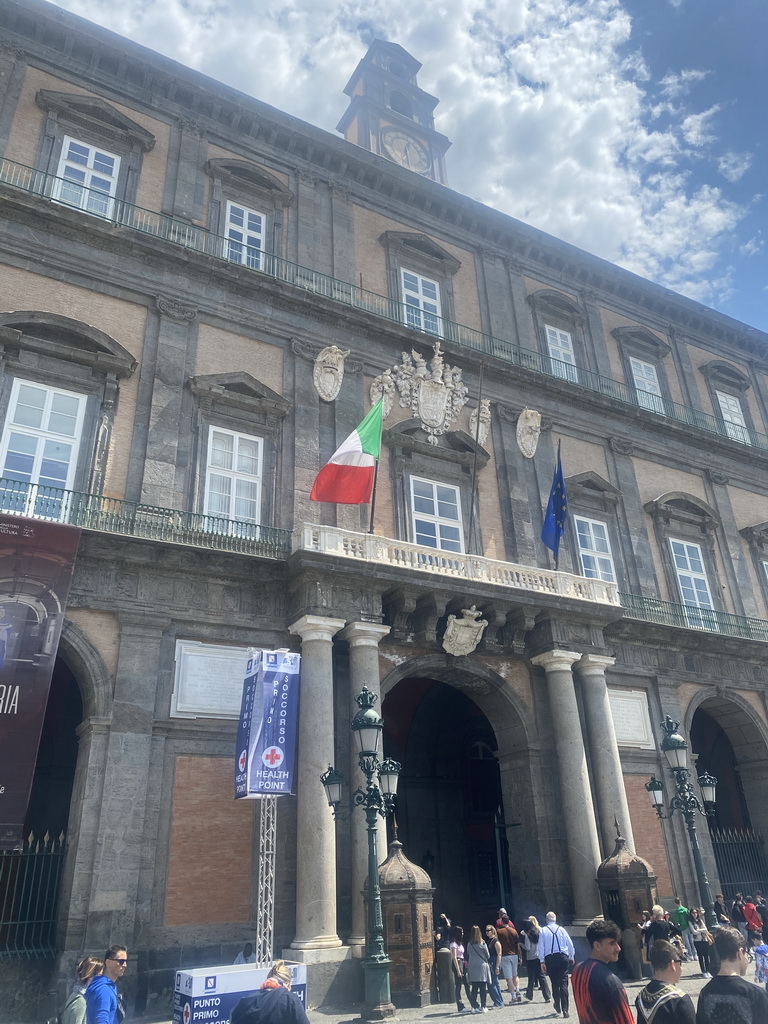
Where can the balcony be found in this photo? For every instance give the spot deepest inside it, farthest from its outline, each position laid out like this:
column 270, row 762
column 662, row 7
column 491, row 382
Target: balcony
column 665, row 613
column 366, row 547
column 147, row 522
column 188, row 236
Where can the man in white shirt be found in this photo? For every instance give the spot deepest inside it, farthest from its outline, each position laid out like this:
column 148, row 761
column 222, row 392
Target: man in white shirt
column 556, row 954
column 247, row 956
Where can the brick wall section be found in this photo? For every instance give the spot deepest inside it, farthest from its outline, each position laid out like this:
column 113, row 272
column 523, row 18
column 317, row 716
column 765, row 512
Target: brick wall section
column 649, row 838
column 209, row 858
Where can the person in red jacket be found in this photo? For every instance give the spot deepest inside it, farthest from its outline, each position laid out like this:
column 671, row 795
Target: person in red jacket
column 753, row 921
column 599, row 995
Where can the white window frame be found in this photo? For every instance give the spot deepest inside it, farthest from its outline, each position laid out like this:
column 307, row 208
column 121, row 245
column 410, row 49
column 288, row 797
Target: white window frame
column 241, row 525
column 244, row 241
column 732, row 413
column 434, row 518
column 596, row 560
column 647, row 387
column 25, row 499
column 81, row 184
column 693, row 584
column 561, row 354
column 422, row 309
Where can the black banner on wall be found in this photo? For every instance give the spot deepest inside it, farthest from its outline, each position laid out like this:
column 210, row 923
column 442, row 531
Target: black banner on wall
column 37, row 560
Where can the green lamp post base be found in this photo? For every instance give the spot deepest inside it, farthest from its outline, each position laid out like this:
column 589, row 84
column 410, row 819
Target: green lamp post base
column 377, row 1004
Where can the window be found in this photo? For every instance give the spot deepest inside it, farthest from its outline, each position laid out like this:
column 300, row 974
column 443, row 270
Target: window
column 647, row 385
column 421, row 298
column 244, row 230
column 86, row 178
column 733, row 417
column 39, row 447
column 436, row 515
column 693, row 584
column 233, row 478
column 560, row 347
column 594, row 549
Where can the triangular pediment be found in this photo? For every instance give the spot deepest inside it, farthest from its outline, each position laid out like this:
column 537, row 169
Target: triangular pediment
column 239, row 387
column 249, row 177
column 96, row 114
column 420, row 247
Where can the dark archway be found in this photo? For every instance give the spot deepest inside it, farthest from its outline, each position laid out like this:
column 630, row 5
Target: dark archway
column 450, row 807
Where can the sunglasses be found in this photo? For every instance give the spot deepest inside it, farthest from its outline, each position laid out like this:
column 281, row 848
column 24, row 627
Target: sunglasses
column 117, row 960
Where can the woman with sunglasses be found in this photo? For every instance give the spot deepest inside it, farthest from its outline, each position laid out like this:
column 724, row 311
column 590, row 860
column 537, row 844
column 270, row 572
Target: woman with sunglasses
column 699, row 933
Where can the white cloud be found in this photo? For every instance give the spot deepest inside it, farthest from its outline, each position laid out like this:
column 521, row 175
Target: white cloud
column 733, row 166
column 544, row 100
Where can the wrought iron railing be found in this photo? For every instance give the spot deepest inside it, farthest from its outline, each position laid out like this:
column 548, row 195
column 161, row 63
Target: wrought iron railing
column 135, row 519
column 29, row 890
column 741, row 861
column 191, row 236
column 650, row 609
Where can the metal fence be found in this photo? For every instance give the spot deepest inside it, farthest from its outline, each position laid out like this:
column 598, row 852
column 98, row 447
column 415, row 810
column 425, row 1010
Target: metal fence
column 29, row 890
column 741, row 861
column 120, row 214
column 650, row 609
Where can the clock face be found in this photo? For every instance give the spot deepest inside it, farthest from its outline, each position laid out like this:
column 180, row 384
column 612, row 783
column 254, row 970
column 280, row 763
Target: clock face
column 405, row 150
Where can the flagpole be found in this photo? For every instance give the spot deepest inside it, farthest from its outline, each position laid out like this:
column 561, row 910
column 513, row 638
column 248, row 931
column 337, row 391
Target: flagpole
column 474, row 458
column 373, row 495
column 557, row 549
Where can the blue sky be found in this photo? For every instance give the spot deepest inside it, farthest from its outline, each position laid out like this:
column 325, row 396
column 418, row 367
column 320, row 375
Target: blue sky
column 635, row 129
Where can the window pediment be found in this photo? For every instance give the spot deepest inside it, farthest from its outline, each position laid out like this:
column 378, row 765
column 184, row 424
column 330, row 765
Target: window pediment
column 414, row 245
column 98, row 115
column 683, row 509
column 249, row 177
column 73, row 340
column 641, row 341
column 549, row 302
column 407, row 438
column 720, row 373
column 591, row 489
column 240, row 390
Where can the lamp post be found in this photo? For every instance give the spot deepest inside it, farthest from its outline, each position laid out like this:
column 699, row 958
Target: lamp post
column 675, row 749
column 375, row 799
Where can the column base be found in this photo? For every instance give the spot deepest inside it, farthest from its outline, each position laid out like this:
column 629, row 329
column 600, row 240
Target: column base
column 317, row 942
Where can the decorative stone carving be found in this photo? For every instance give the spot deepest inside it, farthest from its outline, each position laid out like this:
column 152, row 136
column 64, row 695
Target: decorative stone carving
column 329, row 372
column 528, row 430
column 717, row 478
column 463, row 635
column 384, row 387
column 175, row 310
column 620, row 446
column 480, row 430
column 433, row 391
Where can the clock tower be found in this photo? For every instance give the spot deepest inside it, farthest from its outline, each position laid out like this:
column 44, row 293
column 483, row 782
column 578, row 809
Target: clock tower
column 390, row 115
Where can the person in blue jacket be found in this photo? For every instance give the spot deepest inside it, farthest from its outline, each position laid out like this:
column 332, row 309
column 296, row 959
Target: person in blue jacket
column 102, row 1002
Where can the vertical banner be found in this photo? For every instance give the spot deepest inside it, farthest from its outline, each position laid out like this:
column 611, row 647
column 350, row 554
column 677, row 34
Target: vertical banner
column 37, row 560
column 266, row 733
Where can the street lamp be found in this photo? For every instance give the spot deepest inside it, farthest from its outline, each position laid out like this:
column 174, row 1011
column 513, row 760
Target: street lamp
column 375, row 799
column 675, row 749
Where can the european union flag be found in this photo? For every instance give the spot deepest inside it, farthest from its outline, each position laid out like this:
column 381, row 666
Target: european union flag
column 557, row 511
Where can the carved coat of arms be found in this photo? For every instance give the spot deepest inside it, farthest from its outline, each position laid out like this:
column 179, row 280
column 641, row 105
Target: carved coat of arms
column 433, row 391
column 462, row 635
column 480, row 429
column 528, row 430
column 383, row 386
column 328, row 373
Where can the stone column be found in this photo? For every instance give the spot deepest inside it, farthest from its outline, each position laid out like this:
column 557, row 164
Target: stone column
column 363, row 639
column 583, row 847
column 315, row 828
column 608, row 777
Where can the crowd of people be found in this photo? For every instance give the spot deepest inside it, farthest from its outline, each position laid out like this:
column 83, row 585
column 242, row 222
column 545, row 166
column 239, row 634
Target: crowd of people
column 668, row 939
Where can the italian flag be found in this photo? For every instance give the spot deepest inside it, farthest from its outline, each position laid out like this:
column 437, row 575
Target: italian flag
column 347, row 479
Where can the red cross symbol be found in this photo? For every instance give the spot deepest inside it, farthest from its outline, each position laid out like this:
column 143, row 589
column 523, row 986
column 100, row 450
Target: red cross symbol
column 272, row 757
column 186, row 1014
column 242, row 762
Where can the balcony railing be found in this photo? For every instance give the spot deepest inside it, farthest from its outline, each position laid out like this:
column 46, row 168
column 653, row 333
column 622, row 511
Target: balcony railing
column 665, row 613
column 366, row 547
column 198, row 239
column 135, row 519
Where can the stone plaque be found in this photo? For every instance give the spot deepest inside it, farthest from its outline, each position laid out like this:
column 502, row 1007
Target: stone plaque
column 631, row 719
column 208, row 681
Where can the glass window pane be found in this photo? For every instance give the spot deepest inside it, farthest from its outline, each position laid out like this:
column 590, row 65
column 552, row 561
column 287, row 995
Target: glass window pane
column 30, row 404
column 222, row 451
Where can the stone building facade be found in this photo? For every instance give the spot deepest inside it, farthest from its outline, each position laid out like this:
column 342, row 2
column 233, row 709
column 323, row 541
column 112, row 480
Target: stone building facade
column 212, row 293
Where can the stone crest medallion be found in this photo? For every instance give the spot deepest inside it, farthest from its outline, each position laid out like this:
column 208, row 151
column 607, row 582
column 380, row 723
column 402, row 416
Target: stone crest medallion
column 462, row 635
column 328, row 373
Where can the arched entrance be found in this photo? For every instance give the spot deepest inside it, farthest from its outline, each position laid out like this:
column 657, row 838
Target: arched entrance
column 729, row 745
column 461, row 742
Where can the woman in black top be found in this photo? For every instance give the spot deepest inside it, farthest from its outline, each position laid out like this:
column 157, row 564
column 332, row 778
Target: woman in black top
column 658, row 928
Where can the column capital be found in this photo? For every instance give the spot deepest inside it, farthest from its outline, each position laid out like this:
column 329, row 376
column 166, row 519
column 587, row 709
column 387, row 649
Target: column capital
column 316, row 627
column 364, row 634
column 593, row 666
column 558, row 660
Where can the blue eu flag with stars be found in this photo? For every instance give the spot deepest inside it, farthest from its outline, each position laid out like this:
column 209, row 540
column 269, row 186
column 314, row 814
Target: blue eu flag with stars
column 557, row 511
